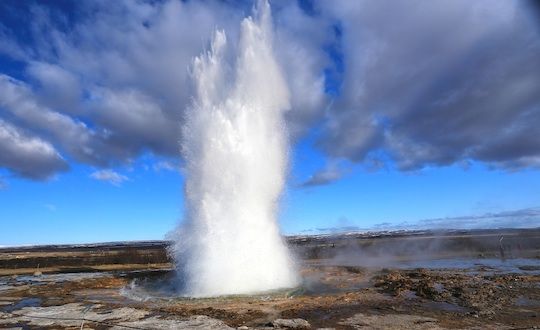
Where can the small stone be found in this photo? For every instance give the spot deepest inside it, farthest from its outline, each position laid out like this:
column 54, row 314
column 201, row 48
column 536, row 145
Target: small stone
column 291, row 324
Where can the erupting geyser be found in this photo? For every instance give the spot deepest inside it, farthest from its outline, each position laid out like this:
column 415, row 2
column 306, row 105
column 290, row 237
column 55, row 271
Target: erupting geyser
column 235, row 146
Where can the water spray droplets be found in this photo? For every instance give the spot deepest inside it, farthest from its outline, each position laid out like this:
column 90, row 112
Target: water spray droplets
column 235, row 145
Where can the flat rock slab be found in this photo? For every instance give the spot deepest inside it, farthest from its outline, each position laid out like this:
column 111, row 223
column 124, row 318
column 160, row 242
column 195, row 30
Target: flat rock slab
column 291, row 324
column 69, row 315
column 75, row 315
column 194, row 322
column 391, row 321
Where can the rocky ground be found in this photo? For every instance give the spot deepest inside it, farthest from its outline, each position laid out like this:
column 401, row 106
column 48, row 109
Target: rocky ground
column 420, row 280
column 339, row 297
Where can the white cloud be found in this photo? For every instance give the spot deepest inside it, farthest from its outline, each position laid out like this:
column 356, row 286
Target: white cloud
column 425, row 83
column 165, row 166
column 57, row 88
column 110, row 176
column 436, row 83
column 27, row 155
column 116, row 82
column 73, row 136
column 330, row 173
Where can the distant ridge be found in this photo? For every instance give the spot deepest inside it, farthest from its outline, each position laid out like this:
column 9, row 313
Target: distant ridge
column 290, row 238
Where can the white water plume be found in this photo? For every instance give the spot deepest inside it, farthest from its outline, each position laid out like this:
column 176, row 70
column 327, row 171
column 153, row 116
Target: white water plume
column 235, row 145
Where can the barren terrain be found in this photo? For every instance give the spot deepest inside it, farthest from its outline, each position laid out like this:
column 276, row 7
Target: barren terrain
column 415, row 280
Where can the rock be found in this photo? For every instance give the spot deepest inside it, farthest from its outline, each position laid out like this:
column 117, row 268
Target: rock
column 242, row 328
column 291, row 324
column 197, row 322
column 391, row 321
column 69, row 315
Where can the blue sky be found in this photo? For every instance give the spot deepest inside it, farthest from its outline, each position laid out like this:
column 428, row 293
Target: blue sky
column 75, row 208
column 432, row 124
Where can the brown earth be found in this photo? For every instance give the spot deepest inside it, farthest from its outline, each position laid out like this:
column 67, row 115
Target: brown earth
column 337, row 292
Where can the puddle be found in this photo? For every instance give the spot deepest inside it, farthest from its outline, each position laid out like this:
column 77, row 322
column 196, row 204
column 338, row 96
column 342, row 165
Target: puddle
column 165, row 286
column 14, row 281
column 315, row 288
column 140, row 291
column 527, row 302
column 474, row 265
column 27, row 302
column 447, row 307
column 58, row 278
column 518, row 265
column 408, row 294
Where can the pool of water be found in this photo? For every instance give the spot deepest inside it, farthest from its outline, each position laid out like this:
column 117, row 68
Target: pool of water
column 26, row 302
column 492, row 265
column 518, row 265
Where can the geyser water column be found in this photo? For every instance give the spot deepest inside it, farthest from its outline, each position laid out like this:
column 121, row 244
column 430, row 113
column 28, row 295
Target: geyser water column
column 235, row 146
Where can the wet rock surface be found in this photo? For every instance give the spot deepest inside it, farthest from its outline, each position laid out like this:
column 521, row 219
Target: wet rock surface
column 342, row 289
column 77, row 315
column 336, row 297
column 194, row 322
column 70, row 315
column 391, row 321
column 479, row 294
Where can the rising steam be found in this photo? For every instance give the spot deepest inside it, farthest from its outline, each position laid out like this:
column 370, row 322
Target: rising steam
column 235, row 146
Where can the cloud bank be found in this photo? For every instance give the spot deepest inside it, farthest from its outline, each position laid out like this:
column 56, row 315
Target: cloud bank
column 437, row 83
column 411, row 84
column 521, row 218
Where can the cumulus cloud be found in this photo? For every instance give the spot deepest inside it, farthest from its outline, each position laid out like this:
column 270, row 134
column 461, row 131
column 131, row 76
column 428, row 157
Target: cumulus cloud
column 27, row 155
column 301, row 39
column 56, row 87
column 165, row 166
column 22, row 107
column 110, row 176
column 436, row 83
column 105, row 82
column 332, row 172
column 418, row 83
